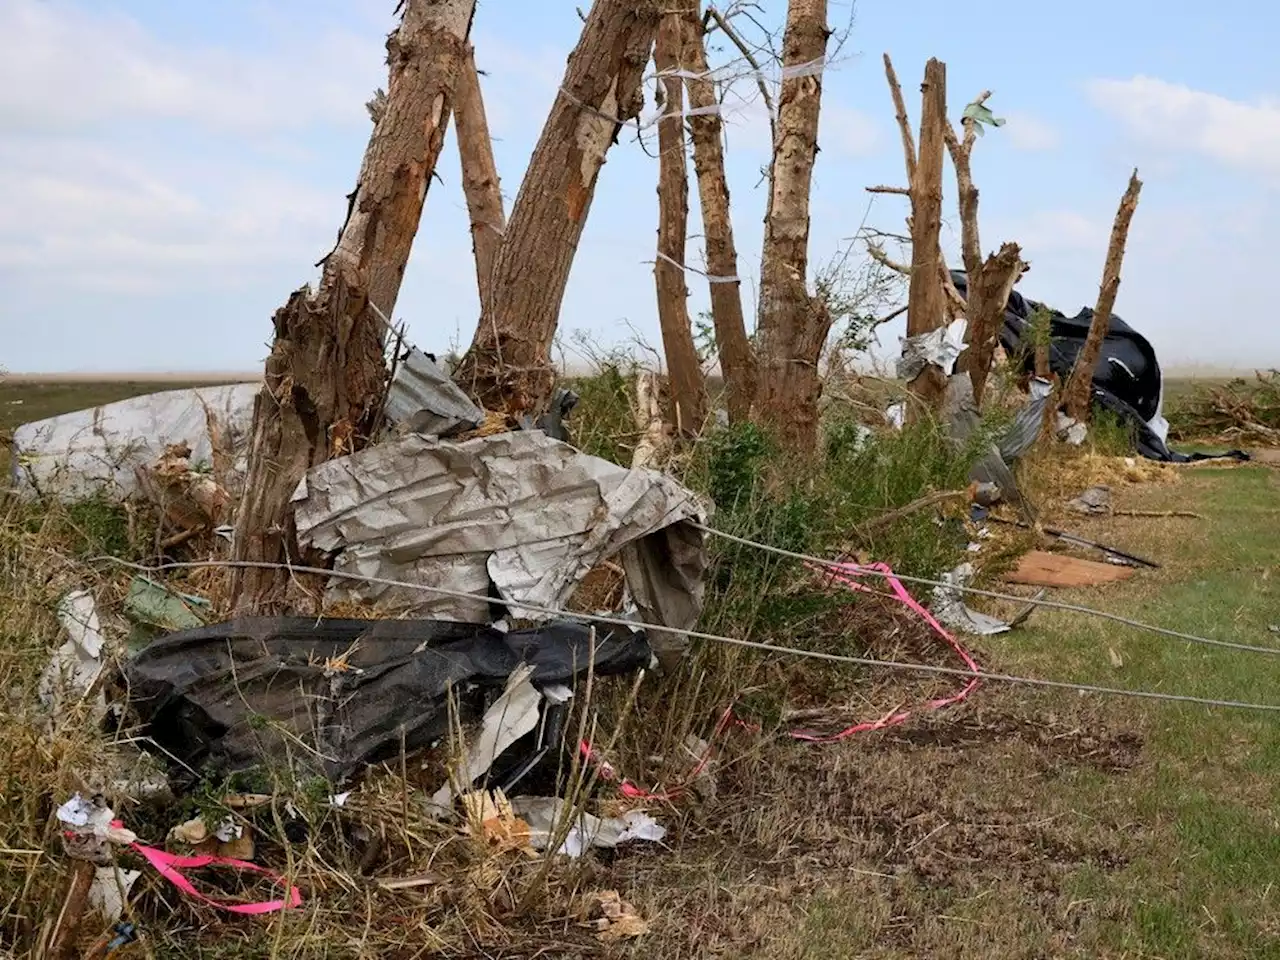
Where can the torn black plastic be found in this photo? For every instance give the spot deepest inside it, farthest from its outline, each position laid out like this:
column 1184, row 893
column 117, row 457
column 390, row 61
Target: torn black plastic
column 329, row 696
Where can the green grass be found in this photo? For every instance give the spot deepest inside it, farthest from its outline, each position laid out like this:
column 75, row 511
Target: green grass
column 1206, row 798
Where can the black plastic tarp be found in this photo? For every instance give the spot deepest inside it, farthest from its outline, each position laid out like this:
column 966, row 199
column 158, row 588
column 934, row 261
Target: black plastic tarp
column 332, row 695
column 1126, row 381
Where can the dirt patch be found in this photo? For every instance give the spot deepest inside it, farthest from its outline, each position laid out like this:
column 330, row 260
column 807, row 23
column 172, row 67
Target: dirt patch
column 955, row 806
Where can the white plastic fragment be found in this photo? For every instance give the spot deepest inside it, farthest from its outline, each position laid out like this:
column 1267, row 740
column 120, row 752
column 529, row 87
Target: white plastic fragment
column 77, row 664
column 110, row 891
column 80, row 812
column 1071, row 430
column 545, row 816
column 512, row 716
column 709, row 277
column 90, row 827
column 98, row 450
column 811, row 68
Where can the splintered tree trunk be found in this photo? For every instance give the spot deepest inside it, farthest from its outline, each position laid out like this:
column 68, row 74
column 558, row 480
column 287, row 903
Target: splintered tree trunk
column 325, row 376
column 793, row 324
column 688, row 386
column 989, row 291
column 926, row 298
column 1079, row 390
column 508, row 366
column 480, row 181
column 737, row 361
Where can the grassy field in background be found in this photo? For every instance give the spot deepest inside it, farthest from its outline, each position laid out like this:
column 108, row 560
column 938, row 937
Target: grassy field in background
column 1025, row 823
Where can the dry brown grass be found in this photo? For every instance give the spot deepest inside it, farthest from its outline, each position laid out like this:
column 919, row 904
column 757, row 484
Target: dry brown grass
column 1017, row 825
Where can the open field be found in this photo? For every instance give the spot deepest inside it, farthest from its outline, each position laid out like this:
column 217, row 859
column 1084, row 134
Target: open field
column 1020, row 824
column 26, row 397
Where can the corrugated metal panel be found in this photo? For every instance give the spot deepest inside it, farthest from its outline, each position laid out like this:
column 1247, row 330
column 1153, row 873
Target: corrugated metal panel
column 423, row 397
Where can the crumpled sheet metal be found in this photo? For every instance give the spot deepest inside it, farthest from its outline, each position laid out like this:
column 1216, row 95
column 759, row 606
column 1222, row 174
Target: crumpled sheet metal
column 960, row 413
column 1022, row 434
column 950, row 609
column 422, row 398
column 546, row 816
column 941, row 348
column 518, row 516
column 97, row 450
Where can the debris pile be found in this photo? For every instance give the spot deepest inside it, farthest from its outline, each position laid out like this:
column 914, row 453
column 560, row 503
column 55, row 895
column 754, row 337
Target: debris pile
column 1237, row 411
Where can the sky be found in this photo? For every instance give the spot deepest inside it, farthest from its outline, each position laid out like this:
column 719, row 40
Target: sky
column 170, row 172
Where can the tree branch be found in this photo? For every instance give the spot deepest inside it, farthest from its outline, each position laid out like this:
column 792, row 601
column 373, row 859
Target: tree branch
column 901, row 191
column 750, row 57
column 904, row 124
column 961, row 152
column 879, row 256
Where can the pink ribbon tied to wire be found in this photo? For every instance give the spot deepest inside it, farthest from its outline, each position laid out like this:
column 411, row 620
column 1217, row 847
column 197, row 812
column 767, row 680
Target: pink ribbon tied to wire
column 846, row 574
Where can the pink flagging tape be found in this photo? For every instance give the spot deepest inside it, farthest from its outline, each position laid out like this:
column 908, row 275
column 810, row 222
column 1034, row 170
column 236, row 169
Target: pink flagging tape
column 170, row 866
column 846, row 574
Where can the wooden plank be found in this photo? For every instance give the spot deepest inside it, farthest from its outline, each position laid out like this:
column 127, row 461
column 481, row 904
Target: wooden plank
column 1040, row 568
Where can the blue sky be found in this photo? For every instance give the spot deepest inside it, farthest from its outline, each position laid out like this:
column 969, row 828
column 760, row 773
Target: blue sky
column 170, row 171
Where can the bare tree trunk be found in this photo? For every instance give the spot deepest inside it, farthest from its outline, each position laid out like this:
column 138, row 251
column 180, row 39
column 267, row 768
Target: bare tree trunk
column 688, row 386
column 326, row 375
column 480, row 181
column 793, row 324
column 926, row 298
column 508, row 365
column 1079, row 390
column 737, row 360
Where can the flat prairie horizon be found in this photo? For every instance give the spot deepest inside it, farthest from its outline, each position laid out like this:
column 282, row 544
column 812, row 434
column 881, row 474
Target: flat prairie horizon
column 1177, row 372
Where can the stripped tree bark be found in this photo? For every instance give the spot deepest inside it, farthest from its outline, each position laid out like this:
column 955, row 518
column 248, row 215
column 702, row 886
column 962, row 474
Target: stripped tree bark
column 926, row 298
column 989, row 282
column 325, row 376
column 793, row 324
column 737, row 360
column 1079, row 389
column 688, row 385
column 508, row 366
column 480, row 181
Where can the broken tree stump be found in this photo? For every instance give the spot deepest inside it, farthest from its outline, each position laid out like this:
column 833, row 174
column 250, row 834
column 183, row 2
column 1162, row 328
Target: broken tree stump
column 326, row 374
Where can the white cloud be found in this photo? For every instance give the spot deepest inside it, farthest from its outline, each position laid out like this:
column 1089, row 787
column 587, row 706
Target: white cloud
column 103, row 192
column 1175, row 117
column 1028, row 132
column 65, row 67
column 94, row 219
